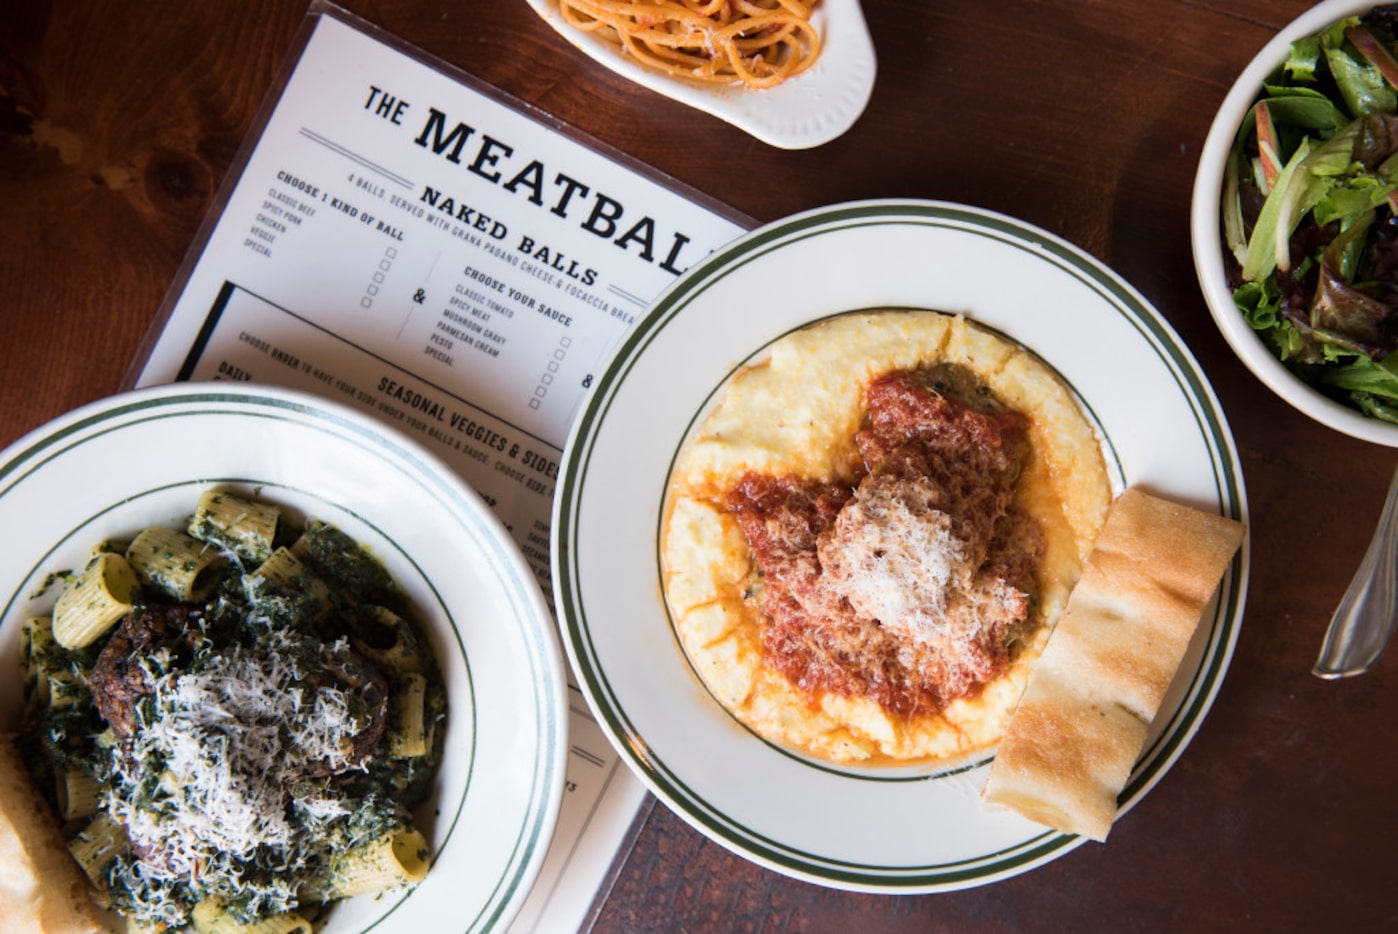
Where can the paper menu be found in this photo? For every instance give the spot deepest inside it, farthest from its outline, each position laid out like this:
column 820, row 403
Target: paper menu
column 399, row 237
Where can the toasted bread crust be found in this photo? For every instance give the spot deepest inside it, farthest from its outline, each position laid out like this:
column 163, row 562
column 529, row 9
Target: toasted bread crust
column 41, row 888
column 1086, row 712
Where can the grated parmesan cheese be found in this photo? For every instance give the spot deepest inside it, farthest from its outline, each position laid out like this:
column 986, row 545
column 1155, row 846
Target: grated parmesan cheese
column 895, row 556
column 231, row 738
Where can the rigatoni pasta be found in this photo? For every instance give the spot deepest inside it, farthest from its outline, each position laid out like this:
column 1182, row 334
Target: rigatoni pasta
column 391, row 642
column 286, row 578
column 175, row 562
column 77, row 794
column 212, row 917
column 36, row 644
column 95, row 848
column 408, row 735
column 100, row 596
column 397, row 858
column 243, row 525
column 37, row 653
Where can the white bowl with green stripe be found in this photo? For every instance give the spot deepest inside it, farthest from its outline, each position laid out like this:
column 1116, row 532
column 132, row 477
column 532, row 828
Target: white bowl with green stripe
column 1209, row 247
column 110, row 468
column 869, row 829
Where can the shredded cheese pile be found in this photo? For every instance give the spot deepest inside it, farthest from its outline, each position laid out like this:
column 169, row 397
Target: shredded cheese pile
column 233, row 737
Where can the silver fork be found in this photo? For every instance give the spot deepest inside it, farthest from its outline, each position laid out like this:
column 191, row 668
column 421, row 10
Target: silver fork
column 1363, row 622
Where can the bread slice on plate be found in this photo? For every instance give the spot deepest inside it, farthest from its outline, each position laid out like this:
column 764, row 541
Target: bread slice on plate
column 1087, row 708
column 42, row 890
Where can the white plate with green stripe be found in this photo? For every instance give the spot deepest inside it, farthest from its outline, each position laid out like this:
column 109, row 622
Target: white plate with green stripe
column 860, row 828
column 107, row 470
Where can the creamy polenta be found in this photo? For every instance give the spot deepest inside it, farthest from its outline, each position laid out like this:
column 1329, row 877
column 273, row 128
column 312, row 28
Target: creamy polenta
column 800, row 416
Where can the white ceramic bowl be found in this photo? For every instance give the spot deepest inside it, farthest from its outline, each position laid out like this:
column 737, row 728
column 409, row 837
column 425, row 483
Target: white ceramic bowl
column 1208, row 241
column 110, row 468
column 808, row 110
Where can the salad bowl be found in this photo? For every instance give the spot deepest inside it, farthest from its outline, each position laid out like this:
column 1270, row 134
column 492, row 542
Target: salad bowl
column 1320, row 390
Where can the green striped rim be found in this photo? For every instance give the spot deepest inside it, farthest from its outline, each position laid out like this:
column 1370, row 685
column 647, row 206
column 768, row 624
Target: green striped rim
column 1208, row 421
column 69, row 434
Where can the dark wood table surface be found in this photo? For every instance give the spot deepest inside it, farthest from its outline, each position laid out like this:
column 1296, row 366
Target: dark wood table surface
column 118, row 122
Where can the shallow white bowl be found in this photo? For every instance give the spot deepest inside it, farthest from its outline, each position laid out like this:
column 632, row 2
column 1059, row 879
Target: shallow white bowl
column 806, row 111
column 110, row 468
column 1207, row 238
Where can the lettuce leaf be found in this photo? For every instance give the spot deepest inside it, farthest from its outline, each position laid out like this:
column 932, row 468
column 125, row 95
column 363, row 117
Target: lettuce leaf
column 1373, row 387
column 1303, row 60
column 1362, row 87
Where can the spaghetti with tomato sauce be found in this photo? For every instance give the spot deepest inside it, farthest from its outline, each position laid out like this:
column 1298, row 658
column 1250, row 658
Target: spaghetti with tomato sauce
column 758, row 43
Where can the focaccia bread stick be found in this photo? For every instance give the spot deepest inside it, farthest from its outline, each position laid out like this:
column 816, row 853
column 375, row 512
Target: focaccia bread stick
column 1090, row 699
column 41, row 887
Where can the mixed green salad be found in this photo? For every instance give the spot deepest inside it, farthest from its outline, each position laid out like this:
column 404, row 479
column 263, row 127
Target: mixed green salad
column 1310, row 212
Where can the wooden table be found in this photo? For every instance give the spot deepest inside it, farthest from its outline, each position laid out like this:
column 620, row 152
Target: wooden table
column 1084, row 117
